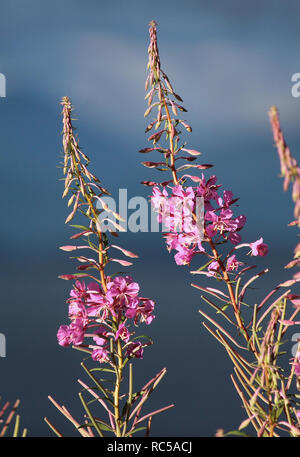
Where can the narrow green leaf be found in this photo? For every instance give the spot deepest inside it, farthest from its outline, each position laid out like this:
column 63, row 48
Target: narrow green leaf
column 136, row 430
column 237, row 433
column 90, row 415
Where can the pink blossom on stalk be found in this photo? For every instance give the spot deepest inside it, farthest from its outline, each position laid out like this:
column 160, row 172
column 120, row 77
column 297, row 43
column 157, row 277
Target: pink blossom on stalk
column 232, row 263
column 208, row 190
column 184, row 256
column 135, row 349
column 178, row 218
column 97, row 296
column 145, row 311
column 191, row 228
column 71, row 334
column 123, row 291
column 259, row 248
column 63, row 335
column 182, row 242
column 297, row 369
column 235, row 238
column 179, row 240
column 213, row 268
column 77, row 309
column 94, row 291
column 226, row 200
column 77, row 331
column 187, row 194
column 123, row 333
column 186, row 197
column 222, row 223
column 101, row 332
column 241, row 221
column 100, row 311
column 98, row 304
column 79, row 290
column 142, row 312
column 177, row 211
column 158, row 198
column 173, row 240
column 86, row 301
column 200, row 247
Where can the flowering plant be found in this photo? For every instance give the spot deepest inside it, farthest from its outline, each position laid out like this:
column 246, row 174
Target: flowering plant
column 7, row 420
column 255, row 343
column 105, row 311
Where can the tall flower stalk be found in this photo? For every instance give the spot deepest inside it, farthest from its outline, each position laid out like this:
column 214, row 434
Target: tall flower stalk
column 254, row 344
column 290, row 171
column 105, row 311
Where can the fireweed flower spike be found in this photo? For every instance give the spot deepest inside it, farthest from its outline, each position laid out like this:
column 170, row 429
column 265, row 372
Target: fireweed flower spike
column 104, row 311
column 290, row 171
column 263, row 386
column 220, row 224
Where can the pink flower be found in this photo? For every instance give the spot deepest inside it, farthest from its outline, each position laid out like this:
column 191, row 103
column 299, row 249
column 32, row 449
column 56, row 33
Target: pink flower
column 100, row 332
column 241, row 221
column 213, row 268
column 135, row 349
column 122, row 291
column 77, row 309
column 179, row 240
column 159, row 199
column 259, row 248
column 123, row 333
column 297, row 369
column 172, row 240
column 71, row 334
column 235, row 238
column 144, row 312
column 131, row 313
column 87, row 301
column 178, row 219
column 232, row 263
column 227, row 199
column 79, row 290
column 63, row 335
column 184, row 198
column 208, row 190
column 98, row 304
column 94, row 292
column 188, row 194
column 222, row 223
column 183, row 256
column 77, row 331
column 96, row 296
column 100, row 355
column 175, row 212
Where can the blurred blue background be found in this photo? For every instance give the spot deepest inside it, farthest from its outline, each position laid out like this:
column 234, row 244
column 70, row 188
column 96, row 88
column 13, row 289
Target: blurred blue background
column 230, row 61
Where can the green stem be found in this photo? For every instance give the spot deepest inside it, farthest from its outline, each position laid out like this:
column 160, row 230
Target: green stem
column 119, row 374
